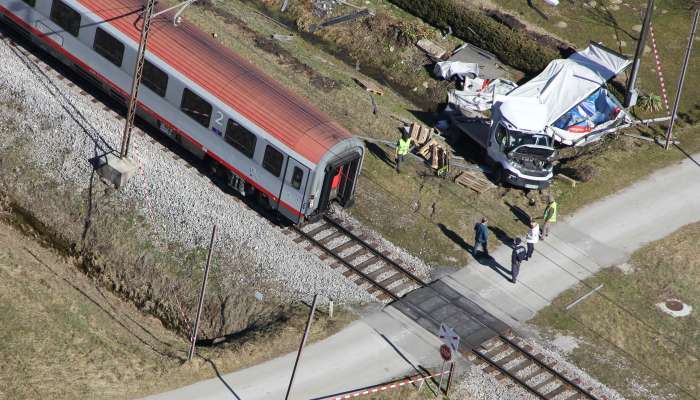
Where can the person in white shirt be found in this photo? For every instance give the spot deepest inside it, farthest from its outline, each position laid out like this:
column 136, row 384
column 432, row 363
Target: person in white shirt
column 533, row 236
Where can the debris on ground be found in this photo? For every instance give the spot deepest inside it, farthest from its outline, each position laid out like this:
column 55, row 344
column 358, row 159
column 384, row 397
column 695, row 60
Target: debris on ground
column 478, row 94
column 432, row 49
column 283, row 38
column 475, row 180
column 369, row 86
column 566, row 179
column 456, row 69
column 343, row 18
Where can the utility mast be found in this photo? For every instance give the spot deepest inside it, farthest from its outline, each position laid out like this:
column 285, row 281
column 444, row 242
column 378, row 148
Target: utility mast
column 136, row 80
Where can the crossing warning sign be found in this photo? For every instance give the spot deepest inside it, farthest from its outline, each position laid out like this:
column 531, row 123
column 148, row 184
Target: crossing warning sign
column 449, row 337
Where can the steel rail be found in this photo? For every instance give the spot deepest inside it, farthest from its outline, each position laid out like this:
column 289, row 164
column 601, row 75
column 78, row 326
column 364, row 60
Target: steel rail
column 548, row 368
column 345, row 263
column 374, row 251
column 510, row 375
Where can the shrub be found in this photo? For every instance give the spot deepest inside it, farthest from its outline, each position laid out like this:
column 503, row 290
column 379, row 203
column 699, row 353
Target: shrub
column 510, row 46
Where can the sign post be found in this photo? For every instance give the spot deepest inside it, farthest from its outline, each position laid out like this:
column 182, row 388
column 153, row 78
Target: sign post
column 450, row 341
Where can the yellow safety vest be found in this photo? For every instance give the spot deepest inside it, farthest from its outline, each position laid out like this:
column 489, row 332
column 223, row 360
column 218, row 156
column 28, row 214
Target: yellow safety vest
column 550, row 213
column 404, row 146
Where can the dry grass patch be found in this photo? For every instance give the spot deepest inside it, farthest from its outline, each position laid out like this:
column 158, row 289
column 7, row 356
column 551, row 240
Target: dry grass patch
column 627, row 342
column 63, row 337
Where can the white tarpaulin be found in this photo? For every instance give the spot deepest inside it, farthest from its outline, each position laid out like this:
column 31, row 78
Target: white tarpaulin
column 566, row 83
column 479, row 97
column 448, row 69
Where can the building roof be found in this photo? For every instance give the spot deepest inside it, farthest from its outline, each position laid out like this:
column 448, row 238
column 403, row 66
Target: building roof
column 227, row 76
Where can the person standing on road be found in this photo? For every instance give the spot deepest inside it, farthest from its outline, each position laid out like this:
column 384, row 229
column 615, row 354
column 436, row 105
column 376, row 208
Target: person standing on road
column 481, row 237
column 402, row 147
column 533, row 236
column 550, row 216
column 518, row 255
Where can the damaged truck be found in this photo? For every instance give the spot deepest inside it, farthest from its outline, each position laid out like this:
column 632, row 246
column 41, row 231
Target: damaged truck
column 568, row 104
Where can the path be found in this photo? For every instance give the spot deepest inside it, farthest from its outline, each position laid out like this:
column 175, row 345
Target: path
column 388, row 344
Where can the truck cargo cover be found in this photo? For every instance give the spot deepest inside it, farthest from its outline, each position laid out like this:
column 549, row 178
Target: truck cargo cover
column 565, row 83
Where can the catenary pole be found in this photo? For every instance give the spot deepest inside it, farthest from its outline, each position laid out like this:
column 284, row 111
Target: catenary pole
column 631, row 96
column 201, row 295
column 136, row 79
column 681, row 81
column 301, row 346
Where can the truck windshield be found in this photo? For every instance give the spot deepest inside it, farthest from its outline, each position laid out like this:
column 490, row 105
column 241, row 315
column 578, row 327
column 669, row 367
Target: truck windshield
column 517, row 139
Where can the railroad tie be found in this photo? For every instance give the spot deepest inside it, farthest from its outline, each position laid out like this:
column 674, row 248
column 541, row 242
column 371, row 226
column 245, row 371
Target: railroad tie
column 557, row 391
column 318, row 230
column 552, row 378
column 361, row 266
column 362, row 251
column 524, row 364
column 330, row 237
column 536, row 372
column 338, row 249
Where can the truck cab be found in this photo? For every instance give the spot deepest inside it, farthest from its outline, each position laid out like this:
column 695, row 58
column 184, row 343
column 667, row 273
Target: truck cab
column 520, row 143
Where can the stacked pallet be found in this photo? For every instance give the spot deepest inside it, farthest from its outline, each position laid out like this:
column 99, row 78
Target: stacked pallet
column 430, row 148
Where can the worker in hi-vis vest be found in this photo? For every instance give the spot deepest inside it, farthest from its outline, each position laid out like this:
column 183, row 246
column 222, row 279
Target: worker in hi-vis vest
column 550, row 216
column 402, row 148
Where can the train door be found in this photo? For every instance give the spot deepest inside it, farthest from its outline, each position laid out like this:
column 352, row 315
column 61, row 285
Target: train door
column 339, row 181
column 293, row 189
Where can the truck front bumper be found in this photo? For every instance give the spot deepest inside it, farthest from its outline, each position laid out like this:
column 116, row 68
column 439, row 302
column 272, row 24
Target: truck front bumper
column 516, row 180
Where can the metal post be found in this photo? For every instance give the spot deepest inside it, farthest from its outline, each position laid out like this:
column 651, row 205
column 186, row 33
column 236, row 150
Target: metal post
column 330, row 308
column 201, row 295
column 631, row 96
column 284, row 6
column 136, row 80
column 693, row 29
column 301, row 346
column 442, row 374
column 449, row 378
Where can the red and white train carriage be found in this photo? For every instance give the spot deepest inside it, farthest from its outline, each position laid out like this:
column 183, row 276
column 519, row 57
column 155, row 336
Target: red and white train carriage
column 214, row 103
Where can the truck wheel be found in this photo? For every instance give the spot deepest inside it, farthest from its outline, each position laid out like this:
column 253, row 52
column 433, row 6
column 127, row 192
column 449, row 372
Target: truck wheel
column 498, row 175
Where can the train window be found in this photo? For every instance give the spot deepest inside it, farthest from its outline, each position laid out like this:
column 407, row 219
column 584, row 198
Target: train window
column 154, row 79
column 65, row 17
column 273, row 160
column 194, row 106
column 30, row 2
column 297, row 177
column 108, row 47
column 240, row 138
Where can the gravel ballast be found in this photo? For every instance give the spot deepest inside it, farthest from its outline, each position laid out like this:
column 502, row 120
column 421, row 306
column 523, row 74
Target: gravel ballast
column 65, row 130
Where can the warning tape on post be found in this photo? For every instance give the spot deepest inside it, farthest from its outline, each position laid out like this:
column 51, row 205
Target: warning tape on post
column 659, row 72
column 384, row 387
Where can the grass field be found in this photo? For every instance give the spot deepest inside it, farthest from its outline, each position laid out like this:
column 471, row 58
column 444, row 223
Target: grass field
column 62, row 337
column 624, row 339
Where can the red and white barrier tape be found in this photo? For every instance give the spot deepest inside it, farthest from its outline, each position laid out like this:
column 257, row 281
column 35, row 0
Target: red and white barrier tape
column 659, row 72
column 384, row 387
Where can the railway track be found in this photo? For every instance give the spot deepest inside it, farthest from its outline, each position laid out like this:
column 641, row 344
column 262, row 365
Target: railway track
column 385, row 278
column 509, row 357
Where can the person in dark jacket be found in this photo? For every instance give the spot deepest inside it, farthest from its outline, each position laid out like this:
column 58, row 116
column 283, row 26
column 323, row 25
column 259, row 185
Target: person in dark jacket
column 518, row 255
column 481, row 237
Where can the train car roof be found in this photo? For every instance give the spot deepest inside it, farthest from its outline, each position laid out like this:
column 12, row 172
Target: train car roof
column 236, row 82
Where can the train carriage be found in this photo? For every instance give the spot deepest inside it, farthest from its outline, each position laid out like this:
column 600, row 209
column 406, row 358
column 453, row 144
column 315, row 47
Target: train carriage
column 270, row 142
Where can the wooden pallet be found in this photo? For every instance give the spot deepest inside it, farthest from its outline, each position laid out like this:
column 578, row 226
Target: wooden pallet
column 369, row 86
column 475, row 180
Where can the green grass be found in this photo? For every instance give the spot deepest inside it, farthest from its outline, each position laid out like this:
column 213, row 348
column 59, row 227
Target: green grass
column 625, row 339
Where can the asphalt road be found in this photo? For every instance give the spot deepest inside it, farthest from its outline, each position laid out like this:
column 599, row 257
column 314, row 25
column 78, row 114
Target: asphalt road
column 388, row 344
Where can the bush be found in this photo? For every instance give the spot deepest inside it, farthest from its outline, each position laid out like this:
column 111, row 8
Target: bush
column 510, row 46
